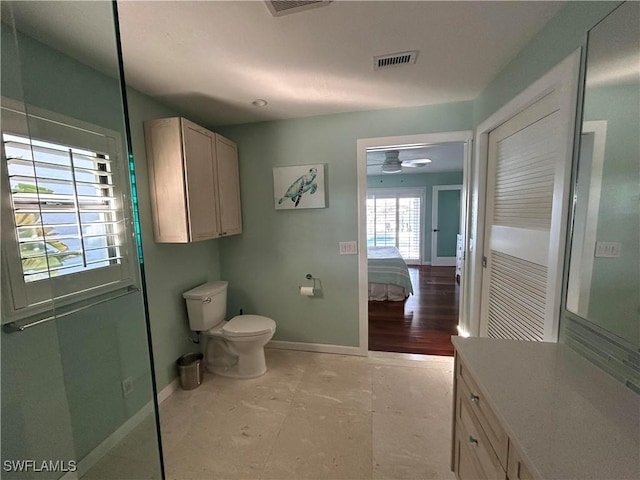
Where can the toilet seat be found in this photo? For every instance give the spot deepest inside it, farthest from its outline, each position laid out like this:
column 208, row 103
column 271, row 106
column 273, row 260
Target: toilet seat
column 248, row 326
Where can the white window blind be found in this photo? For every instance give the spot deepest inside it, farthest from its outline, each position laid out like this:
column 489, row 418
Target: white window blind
column 64, row 207
column 394, row 218
column 66, row 225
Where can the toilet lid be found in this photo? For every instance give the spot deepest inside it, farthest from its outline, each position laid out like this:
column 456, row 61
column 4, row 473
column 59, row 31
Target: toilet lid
column 248, row 325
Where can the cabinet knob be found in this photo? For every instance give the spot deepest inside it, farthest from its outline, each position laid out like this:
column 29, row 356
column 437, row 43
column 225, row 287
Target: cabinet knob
column 474, row 398
column 473, row 441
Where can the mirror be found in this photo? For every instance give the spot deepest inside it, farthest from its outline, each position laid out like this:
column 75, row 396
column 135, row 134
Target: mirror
column 604, row 269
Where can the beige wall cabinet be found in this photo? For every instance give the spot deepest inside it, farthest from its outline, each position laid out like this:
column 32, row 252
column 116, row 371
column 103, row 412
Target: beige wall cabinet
column 194, row 182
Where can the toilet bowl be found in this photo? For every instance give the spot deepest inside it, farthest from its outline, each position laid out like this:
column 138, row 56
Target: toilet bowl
column 234, row 348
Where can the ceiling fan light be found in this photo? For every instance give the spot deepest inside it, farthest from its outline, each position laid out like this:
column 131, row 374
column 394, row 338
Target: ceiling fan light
column 391, row 167
column 418, row 162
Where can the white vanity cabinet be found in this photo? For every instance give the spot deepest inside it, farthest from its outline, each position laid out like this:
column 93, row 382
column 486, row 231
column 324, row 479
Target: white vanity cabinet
column 534, row 410
column 193, row 181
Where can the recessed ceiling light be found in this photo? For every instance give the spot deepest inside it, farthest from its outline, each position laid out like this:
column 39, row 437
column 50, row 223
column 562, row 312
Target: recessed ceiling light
column 259, row 103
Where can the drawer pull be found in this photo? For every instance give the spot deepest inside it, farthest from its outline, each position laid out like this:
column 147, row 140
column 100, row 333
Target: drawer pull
column 474, row 398
column 473, row 441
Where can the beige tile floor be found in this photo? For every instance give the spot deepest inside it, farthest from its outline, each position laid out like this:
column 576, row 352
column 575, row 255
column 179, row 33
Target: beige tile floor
column 312, row 416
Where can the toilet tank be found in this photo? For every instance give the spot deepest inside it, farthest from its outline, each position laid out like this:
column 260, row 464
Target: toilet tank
column 206, row 305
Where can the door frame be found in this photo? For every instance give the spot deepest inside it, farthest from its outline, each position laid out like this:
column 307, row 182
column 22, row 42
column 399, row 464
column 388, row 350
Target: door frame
column 581, row 265
column 564, row 78
column 435, row 260
column 362, row 144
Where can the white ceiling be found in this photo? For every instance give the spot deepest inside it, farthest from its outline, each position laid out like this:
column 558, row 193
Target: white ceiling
column 211, row 59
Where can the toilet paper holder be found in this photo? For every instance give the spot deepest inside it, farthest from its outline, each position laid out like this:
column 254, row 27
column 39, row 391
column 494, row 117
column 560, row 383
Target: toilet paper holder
column 315, row 289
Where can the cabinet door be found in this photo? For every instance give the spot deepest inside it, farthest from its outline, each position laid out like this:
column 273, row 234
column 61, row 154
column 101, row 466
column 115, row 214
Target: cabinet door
column 199, row 155
column 517, row 469
column 166, row 180
column 228, row 186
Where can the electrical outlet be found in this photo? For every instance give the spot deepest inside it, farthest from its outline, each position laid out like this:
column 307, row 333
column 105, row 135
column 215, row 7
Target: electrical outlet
column 348, row 248
column 127, row 386
column 608, row 249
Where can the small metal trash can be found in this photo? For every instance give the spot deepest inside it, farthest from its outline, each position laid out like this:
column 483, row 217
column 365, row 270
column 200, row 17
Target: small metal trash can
column 190, row 368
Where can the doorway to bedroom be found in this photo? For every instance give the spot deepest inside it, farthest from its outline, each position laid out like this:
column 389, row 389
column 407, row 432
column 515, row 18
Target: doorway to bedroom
column 412, row 212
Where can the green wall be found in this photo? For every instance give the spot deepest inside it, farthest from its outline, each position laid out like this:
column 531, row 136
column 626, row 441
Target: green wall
column 170, row 269
column 427, row 180
column 563, row 34
column 266, row 264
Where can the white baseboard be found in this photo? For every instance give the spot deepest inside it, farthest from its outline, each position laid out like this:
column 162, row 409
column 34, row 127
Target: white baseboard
column 111, row 441
column 427, row 263
column 317, row 347
column 168, row 390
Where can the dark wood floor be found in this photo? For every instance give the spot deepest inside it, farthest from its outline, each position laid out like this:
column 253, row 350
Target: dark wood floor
column 424, row 322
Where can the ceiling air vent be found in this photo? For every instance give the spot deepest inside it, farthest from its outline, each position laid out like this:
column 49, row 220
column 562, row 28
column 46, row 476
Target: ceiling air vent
column 285, row 7
column 394, row 59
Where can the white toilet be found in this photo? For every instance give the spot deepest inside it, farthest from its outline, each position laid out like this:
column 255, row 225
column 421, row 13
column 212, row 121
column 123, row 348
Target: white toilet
column 234, row 348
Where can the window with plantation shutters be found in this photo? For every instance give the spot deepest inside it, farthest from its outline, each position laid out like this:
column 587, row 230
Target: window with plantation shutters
column 65, row 208
column 65, row 211
column 394, row 218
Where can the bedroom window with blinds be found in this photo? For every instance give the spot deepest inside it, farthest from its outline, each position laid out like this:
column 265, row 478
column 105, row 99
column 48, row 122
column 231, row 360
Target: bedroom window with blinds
column 65, row 210
column 394, row 218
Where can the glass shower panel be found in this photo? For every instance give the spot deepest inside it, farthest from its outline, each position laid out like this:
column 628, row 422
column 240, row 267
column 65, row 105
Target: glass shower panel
column 35, row 420
column 85, row 349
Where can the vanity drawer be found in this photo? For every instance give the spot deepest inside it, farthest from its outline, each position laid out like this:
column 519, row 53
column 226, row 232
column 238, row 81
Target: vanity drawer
column 476, row 458
column 469, row 391
column 516, row 468
column 467, row 466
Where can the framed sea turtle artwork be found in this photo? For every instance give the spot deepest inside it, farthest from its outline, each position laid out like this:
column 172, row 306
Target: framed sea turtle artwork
column 299, row 187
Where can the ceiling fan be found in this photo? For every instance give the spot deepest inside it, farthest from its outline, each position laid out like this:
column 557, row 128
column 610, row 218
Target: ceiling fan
column 393, row 164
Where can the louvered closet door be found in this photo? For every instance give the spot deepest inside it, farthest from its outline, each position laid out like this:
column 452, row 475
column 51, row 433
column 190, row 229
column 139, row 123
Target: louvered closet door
column 527, row 166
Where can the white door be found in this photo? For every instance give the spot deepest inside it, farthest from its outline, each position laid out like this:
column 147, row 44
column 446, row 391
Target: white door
column 445, row 224
column 527, row 184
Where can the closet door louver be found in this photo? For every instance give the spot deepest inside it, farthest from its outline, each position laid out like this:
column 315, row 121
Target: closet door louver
column 517, row 298
column 523, row 171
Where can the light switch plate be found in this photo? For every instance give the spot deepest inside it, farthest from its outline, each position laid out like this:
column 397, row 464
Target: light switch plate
column 348, row 248
column 608, row 249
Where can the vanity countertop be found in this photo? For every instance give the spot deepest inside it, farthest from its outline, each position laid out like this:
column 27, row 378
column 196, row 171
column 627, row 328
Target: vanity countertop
column 567, row 417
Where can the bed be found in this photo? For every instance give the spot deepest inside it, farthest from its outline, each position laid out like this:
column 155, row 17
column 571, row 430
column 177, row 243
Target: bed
column 388, row 275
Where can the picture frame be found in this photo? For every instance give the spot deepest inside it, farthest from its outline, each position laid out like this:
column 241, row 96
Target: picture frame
column 299, row 187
